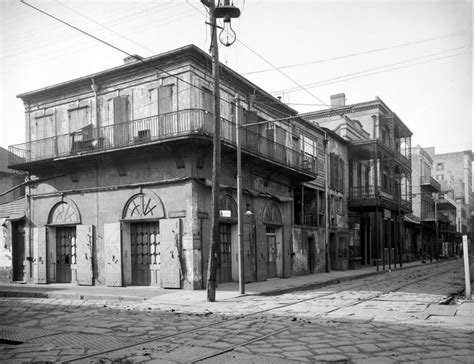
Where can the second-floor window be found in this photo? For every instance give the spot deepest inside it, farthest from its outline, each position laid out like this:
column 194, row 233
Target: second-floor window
column 439, row 166
column 78, row 118
column 337, row 171
column 161, row 100
column 42, row 127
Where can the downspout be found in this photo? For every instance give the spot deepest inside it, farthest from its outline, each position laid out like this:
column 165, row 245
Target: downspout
column 326, row 201
column 95, row 89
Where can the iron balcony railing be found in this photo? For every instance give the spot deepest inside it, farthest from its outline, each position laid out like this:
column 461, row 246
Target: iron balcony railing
column 369, row 191
column 158, row 128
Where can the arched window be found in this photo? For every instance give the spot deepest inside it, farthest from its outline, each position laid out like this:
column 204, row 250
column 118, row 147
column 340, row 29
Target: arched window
column 143, row 206
column 272, row 215
column 227, row 207
column 64, row 213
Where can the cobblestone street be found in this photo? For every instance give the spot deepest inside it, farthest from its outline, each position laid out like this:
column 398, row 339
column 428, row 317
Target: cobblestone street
column 377, row 319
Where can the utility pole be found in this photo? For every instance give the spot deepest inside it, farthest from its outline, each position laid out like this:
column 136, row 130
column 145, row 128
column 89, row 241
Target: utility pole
column 239, row 197
column 216, row 160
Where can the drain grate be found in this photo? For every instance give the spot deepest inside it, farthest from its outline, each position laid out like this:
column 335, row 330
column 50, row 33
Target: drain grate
column 22, row 334
column 10, row 342
column 89, row 341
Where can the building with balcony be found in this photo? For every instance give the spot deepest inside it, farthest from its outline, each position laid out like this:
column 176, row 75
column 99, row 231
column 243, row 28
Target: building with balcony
column 379, row 165
column 423, row 226
column 121, row 170
column 454, row 172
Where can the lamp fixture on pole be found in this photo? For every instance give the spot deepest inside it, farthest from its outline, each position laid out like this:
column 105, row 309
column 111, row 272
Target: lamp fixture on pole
column 227, row 11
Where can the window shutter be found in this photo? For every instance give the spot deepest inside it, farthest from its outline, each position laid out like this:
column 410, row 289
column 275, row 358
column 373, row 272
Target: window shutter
column 165, row 99
column 84, row 241
column 40, row 255
column 113, row 255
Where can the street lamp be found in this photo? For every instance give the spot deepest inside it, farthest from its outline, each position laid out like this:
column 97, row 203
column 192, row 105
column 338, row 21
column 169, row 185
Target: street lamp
column 227, row 35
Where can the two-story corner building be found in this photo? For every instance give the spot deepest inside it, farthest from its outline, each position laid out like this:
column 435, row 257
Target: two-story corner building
column 379, row 154
column 454, row 172
column 12, row 222
column 122, row 161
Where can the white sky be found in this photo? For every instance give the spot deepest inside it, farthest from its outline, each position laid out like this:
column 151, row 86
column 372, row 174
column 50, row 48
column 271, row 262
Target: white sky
column 433, row 97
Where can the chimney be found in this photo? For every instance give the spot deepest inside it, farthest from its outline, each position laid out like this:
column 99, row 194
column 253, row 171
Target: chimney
column 131, row 59
column 338, row 100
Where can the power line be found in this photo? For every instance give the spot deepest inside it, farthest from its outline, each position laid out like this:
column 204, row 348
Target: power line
column 105, row 27
column 328, row 81
column 115, row 47
column 289, row 118
column 284, row 74
column 353, row 54
column 274, row 67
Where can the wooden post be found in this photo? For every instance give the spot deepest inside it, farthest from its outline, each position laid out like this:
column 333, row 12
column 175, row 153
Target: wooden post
column 467, row 273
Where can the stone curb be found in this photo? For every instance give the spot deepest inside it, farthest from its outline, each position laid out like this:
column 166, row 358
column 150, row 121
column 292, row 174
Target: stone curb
column 272, row 292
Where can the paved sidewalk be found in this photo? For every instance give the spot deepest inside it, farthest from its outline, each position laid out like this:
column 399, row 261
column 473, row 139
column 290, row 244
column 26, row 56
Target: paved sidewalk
column 273, row 286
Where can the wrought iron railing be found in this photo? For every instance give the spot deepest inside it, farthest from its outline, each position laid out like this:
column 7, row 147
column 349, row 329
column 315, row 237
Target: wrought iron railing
column 363, row 192
column 158, row 128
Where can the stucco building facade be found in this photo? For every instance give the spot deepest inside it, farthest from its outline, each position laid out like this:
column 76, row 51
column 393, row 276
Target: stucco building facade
column 122, row 168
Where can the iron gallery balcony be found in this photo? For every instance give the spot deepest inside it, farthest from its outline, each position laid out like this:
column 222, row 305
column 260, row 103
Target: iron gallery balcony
column 178, row 125
column 376, row 196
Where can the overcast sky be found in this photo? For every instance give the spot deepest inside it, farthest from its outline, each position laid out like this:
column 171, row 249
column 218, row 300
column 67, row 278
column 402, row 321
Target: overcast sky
column 415, row 55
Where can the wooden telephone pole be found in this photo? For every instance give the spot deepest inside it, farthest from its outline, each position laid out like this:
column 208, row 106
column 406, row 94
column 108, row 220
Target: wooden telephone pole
column 216, row 160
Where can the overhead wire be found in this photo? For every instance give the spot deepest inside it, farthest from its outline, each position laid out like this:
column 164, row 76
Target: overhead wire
column 149, row 64
column 327, row 81
column 41, row 44
column 353, row 54
column 281, row 72
column 288, row 118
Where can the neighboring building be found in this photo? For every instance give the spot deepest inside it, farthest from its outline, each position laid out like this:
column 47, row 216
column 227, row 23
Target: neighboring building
column 123, row 161
column 454, row 172
column 435, row 216
column 12, row 222
column 379, row 163
column 342, row 250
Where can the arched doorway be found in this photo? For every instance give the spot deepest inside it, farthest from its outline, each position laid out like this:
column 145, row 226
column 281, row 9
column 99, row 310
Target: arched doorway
column 65, row 253
column 150, row 244
column 274, row 237
column 227, row 267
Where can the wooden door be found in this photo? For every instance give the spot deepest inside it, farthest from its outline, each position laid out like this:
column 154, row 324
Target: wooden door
column 65, row 253
column 18, row 250
column 225, row 254
column 144, row 251
column 271, row 252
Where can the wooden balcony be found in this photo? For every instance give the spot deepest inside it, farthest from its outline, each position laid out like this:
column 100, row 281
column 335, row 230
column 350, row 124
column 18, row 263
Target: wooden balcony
column 153, row 130
column 430, row 183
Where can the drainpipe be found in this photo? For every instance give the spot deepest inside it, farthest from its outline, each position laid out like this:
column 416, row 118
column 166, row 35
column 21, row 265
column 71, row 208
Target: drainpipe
column 95, row 89
column 326, row 208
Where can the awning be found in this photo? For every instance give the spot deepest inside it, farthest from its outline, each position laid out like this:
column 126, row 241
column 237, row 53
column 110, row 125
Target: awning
column 412, row 219
column 14, row 210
